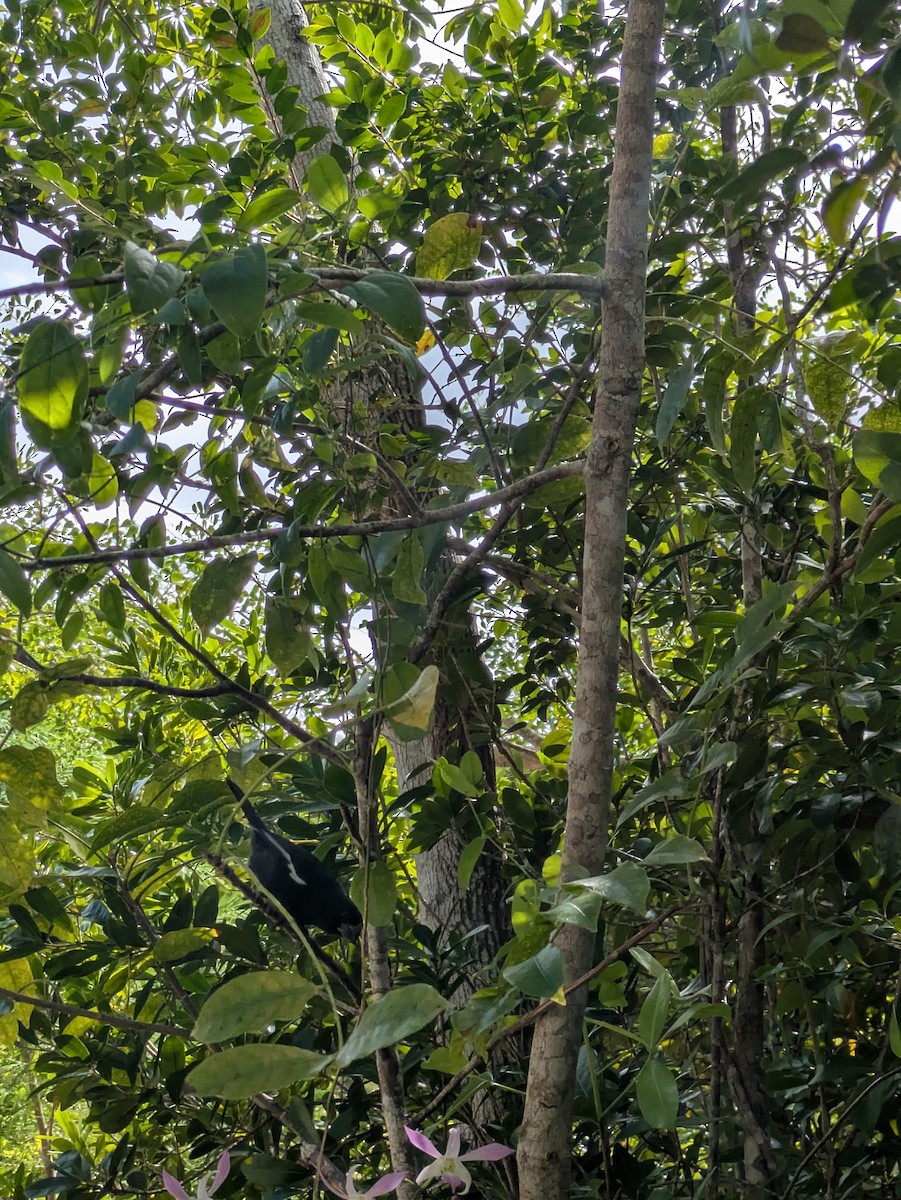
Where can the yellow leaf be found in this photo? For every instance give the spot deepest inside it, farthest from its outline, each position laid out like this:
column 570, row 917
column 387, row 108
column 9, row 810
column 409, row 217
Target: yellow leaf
column 16, row 976
column 450, row 244
column 426, row 342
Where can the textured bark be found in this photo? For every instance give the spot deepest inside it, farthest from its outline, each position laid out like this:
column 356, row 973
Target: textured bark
column 544, row 1150
column 285, row 36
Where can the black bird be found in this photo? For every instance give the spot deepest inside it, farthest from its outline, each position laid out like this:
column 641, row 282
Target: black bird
column 302, row 885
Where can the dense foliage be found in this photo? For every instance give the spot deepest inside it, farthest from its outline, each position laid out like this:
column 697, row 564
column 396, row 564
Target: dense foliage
column 243, row 460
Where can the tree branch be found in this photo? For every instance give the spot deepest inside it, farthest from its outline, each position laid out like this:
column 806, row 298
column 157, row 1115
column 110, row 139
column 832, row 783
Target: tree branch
column 416, row 520
column 102, row 1018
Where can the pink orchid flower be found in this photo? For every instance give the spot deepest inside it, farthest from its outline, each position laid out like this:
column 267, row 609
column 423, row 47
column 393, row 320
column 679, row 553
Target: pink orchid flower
column 449, row 1164
column 205, row 1189
column 381, row 1187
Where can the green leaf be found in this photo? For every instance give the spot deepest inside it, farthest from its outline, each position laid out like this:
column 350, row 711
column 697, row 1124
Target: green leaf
column 894, row 1034
column 756, row 413
column 52, row 384
column 540, row 976
column 102, row 481
column 249, row 1003
column 266, row 208
column 224, row 352
column 219, row 588
column 840, row 206
column 236, row 288
column 676, row 851
column 327, row 183
column 801, row 34
column 658, row 1094
column 241, row 1071
column 863, row 16
column 374, row 891
column 875, row 454
column 577, row 908
column 31, row 780
column 29, row 706
column 452, row 243
column 626, row 885
column 178, row 943
column 469, row 856
column 406, row 584
column 411, row 713
column 654, row 1011
column 391, row 1019
column 149, row 283
column 112, row 605
column 288, row 640
column 14, row 584
column 673, row 400
column 393, row 298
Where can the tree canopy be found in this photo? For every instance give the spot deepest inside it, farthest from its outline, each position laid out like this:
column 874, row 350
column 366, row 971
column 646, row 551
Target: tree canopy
column 304, row 381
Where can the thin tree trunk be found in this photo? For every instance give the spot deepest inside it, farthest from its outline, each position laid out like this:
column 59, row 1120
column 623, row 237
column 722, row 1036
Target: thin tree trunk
column 544, row 1149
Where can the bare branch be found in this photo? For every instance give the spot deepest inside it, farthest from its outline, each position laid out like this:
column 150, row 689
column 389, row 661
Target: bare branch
column 416, row 520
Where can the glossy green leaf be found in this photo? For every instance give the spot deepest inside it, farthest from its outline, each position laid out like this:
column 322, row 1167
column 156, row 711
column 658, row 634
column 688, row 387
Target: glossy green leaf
column 236, row 289
column 327, row 183
column 149, row 282
column 52, row 384
column 676, row 851
column 540, row 976
column 250, row 1003
column 267, row 208
column 14, row 584
column 241, row 1071
column 658, row 1094
column 393, row 298
column 654, row 1011
column 626, row 885
column 391, row 1019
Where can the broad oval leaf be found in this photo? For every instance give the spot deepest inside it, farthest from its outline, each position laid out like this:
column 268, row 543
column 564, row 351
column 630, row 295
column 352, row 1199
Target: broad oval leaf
column 219, row 588
column 654, row 1010
column 626, row 885
column 178, row 943
column 149, row 282
column 251, row 1002
column 393, row 298
column 266, row 208
column 676, row 851
column 14, row 584
column 540, row 976
column 391, row 1019
column 327, row 183
column 411, row 713
column 449, row 244
column 236, row 289
column 658, row 1094
column 241, row 1071
column 374, row 891
column 52, row 384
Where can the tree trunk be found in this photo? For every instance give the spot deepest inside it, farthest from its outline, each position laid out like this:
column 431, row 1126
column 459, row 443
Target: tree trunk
column 544, row 1150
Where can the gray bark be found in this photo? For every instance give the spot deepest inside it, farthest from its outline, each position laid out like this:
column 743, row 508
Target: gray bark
column 285, row 36
column 544, row 1150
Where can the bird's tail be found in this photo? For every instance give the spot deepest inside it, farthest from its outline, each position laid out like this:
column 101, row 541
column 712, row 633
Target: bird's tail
column 247, row 808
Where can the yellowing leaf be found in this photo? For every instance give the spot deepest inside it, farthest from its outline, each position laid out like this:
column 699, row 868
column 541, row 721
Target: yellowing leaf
column 411, row 713
column 450, row 244
column 16, row 862
column 16, row 976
